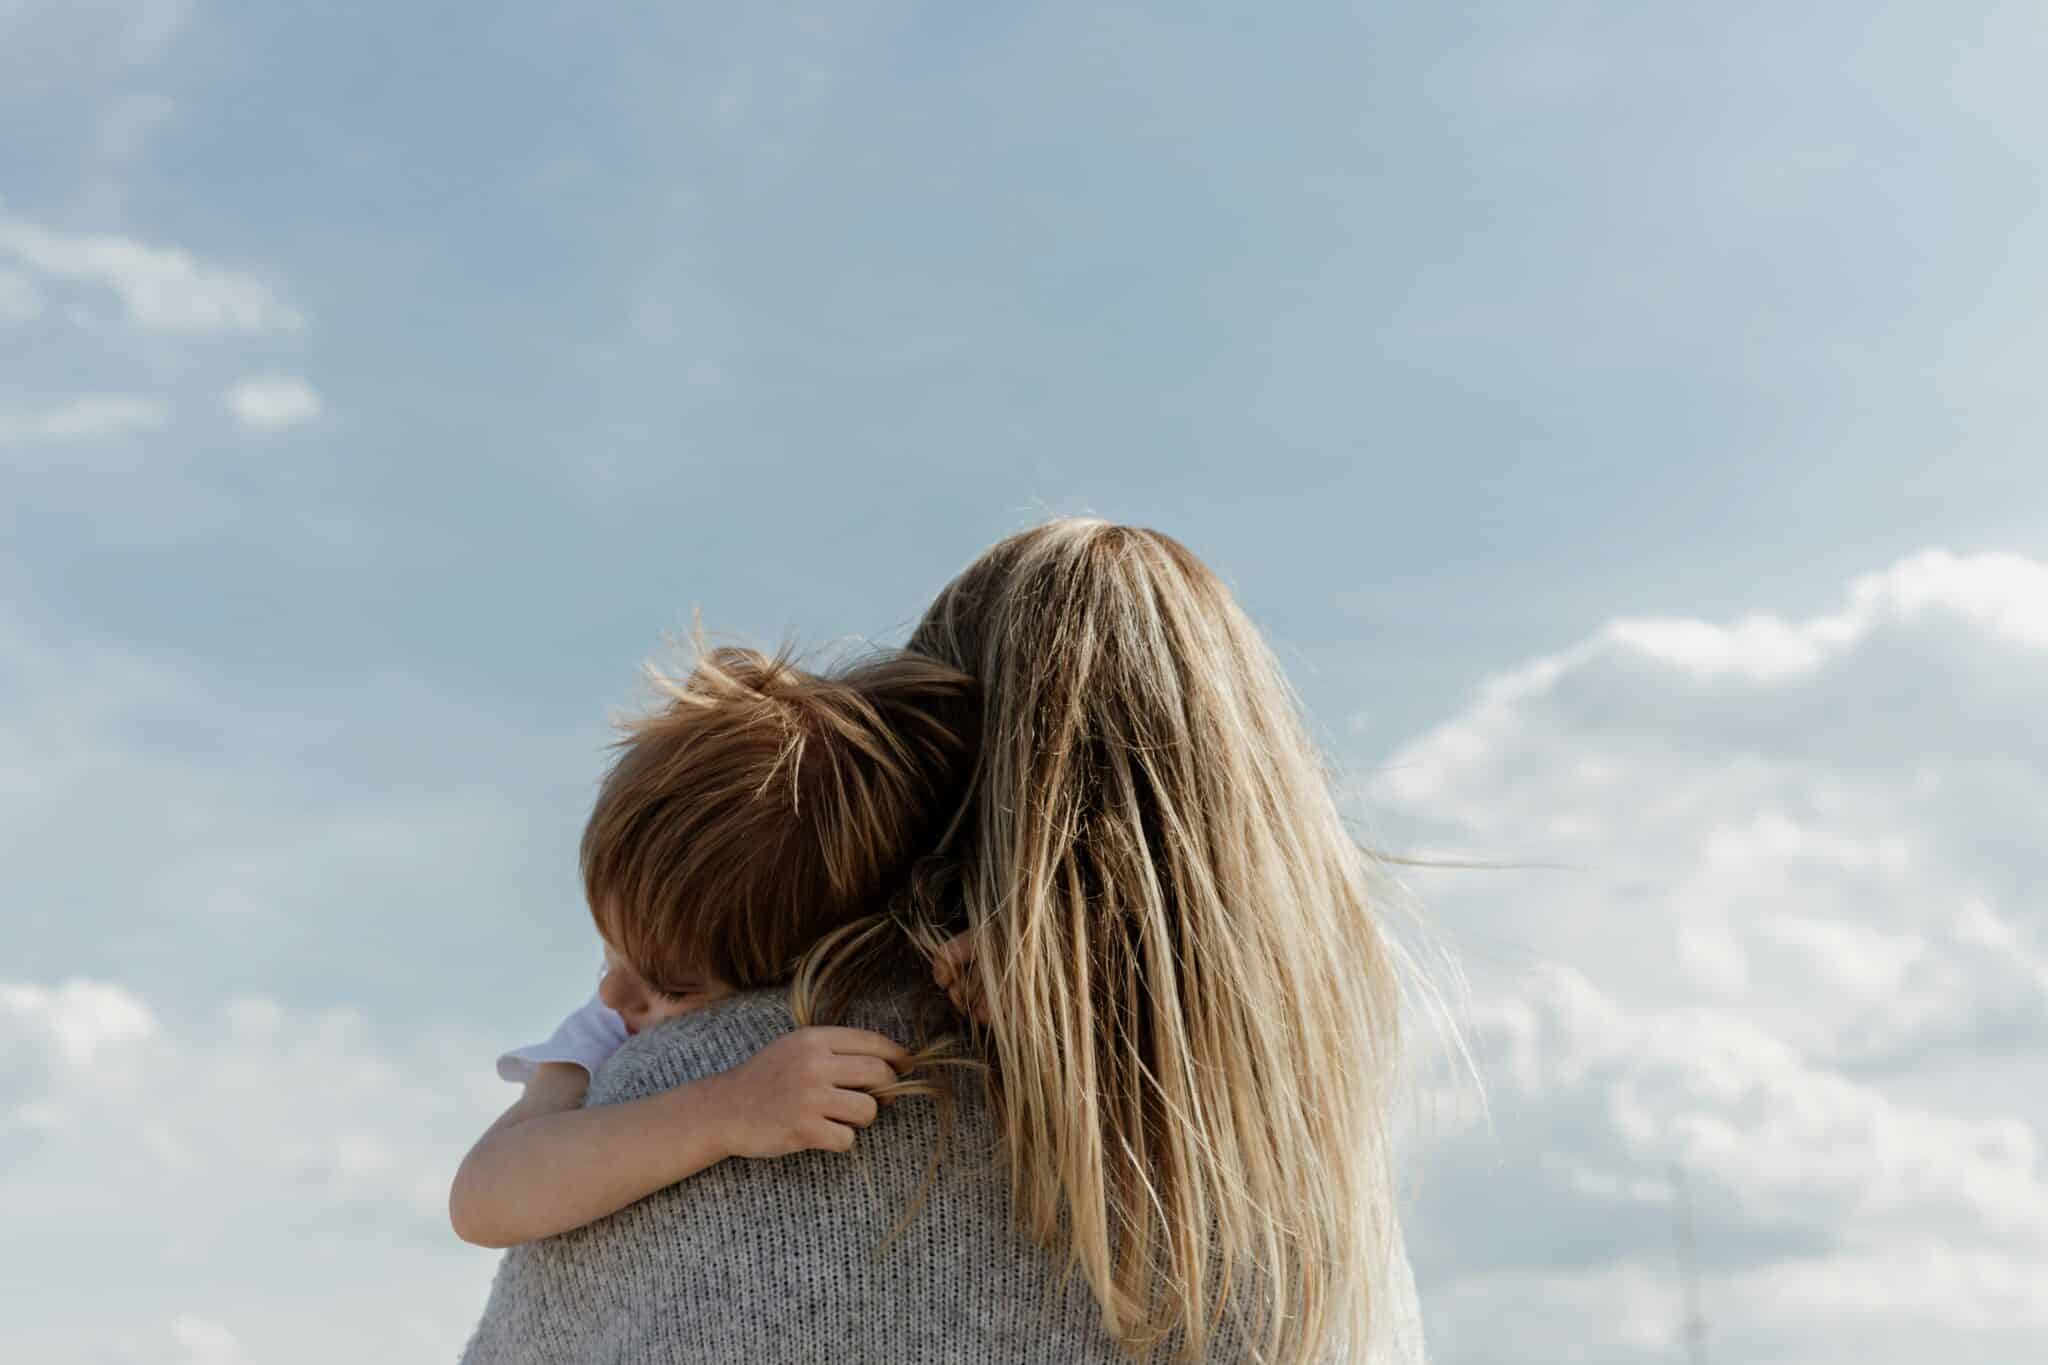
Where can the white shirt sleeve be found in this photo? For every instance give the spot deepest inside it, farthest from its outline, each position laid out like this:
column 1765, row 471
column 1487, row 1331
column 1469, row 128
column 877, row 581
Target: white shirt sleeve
column 586, row 1038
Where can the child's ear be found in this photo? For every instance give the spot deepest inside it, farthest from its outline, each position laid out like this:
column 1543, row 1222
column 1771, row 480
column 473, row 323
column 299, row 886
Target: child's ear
column 962, row 987
column 955, row 953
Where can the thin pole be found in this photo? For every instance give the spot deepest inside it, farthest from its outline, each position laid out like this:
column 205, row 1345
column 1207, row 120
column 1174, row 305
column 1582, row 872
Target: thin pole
column 1688, row 1270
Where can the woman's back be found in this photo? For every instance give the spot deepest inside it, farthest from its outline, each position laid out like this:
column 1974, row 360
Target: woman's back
column 769, row 1261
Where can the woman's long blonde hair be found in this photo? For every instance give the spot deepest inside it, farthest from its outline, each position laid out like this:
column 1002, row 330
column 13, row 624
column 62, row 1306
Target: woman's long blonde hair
column 1193, row 1013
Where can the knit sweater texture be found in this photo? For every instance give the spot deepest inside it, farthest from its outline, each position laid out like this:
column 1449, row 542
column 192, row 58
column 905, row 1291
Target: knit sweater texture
column 757, row 1262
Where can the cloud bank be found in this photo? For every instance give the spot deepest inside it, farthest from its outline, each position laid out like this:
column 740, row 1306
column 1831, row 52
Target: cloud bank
column 160, row 288
column 238, row 1175
column 1795, row 974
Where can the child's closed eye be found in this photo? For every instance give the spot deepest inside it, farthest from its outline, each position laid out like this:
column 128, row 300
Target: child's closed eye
column 692, row 993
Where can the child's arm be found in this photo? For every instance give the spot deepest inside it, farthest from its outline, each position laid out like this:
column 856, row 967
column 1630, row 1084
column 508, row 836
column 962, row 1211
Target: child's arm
column 547, row 1166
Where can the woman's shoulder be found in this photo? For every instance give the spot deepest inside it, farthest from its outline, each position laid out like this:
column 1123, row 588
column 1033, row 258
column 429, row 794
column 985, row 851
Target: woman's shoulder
column 691, row 1046
column 722, row 1035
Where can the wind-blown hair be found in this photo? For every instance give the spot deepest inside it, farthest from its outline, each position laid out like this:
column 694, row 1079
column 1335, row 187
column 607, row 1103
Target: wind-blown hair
column 1193, row 1014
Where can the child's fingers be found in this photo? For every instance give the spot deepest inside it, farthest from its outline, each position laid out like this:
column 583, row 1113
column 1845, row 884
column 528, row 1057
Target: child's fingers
column 826, row 1135
column 861, row 1073
column 856, row 1107
column 860, row 1042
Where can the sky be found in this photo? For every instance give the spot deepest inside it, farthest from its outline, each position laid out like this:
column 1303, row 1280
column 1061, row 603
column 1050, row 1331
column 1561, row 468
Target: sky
column 1624, row 420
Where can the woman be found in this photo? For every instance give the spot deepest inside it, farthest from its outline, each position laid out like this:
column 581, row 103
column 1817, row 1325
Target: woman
column 1191, row 1028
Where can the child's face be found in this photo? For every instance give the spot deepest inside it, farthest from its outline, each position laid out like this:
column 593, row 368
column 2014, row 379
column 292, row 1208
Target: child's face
column 641, row 1005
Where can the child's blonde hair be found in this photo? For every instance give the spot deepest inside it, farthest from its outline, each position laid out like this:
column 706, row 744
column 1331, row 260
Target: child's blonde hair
column 762, row 806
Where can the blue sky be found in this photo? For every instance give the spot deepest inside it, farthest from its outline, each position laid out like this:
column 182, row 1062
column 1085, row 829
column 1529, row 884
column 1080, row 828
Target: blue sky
column 1607, row 409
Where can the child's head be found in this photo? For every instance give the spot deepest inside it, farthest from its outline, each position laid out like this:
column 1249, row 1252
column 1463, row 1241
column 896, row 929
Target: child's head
column 761, row 807
column 643, row 1005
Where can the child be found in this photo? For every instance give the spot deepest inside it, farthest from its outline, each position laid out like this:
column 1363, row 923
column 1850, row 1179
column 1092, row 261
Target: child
column 758, row 810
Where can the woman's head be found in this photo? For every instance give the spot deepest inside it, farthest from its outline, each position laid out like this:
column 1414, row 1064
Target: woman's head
column 762, row 806
column 1193, row 1011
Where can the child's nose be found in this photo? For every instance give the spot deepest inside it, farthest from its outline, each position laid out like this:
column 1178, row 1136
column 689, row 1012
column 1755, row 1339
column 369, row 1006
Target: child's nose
column 614, row 991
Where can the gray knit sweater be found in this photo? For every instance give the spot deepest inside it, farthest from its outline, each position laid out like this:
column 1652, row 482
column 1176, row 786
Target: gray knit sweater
column 758, row 1262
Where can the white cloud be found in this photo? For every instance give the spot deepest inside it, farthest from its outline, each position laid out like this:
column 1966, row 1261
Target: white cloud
column 1772, row 1134
column 78, row 1020
column 94, row 415
column 260, row 1137
column 2002, row 593
column 273, row 403
column 204, row 1341
column 303, row 1099
column 162, row 288
column 1795, row 949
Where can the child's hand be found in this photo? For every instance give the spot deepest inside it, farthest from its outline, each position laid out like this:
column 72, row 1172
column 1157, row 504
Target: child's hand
column 951, row 969
column 807, row 1089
